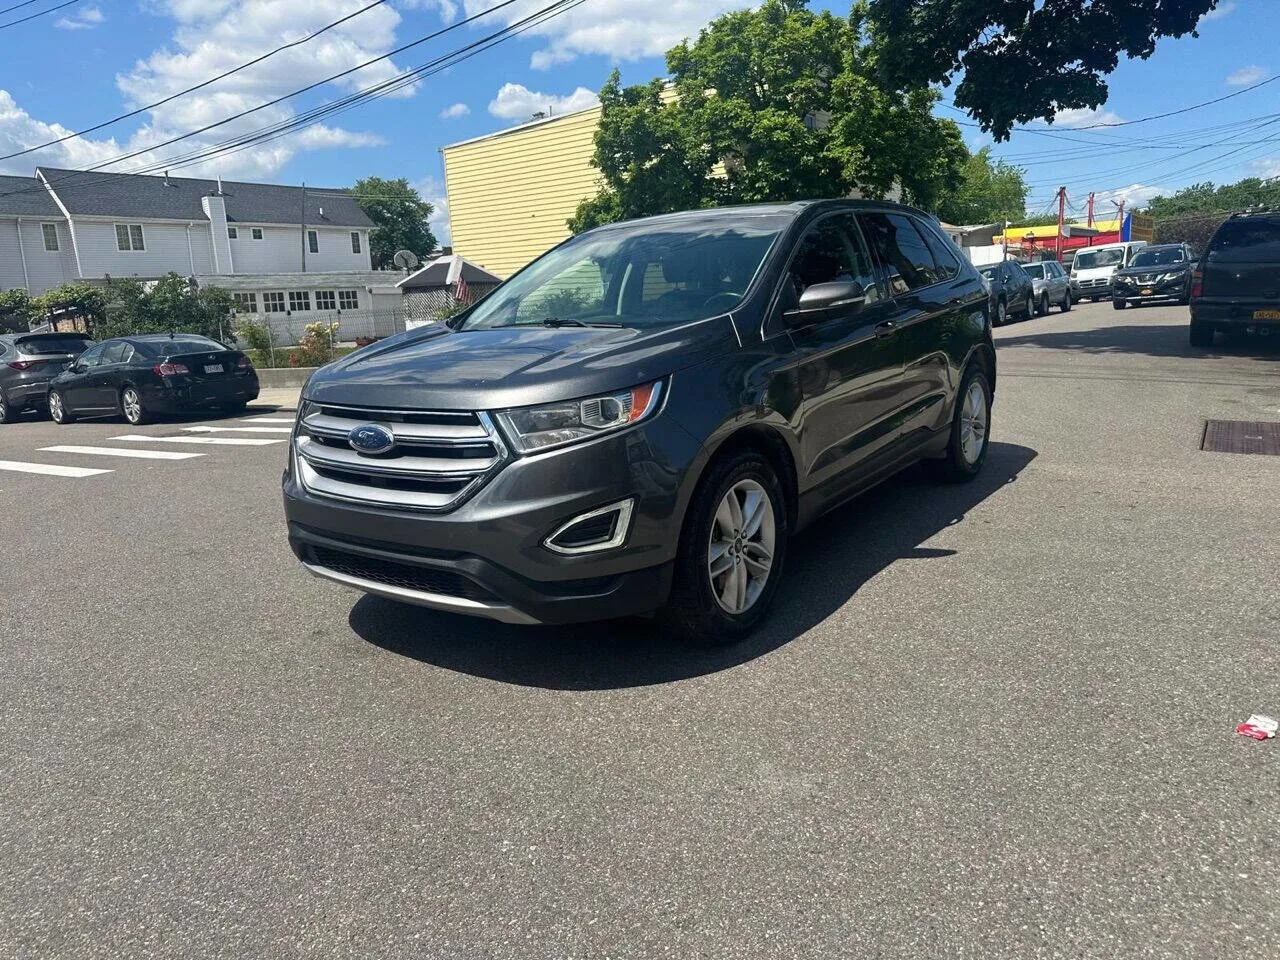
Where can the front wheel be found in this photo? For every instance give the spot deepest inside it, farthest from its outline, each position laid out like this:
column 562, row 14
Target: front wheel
column 731, row 553
column 1043, row 309
column 6, row 411
column 1119, row 304
column 1029, row 308
column 970, row 430
column 58, row 412
column 1002, row 315
column 131, row 406
column 1066, row 301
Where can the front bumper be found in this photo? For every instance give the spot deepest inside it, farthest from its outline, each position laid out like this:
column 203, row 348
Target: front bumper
column 487, row 556
column 1125, row 288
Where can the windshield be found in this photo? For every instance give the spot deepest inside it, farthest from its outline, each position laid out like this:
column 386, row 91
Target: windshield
column 1158, row 258
column 1035, row 270
column 1091, row 259
column 647, row 275
column 1252, row 240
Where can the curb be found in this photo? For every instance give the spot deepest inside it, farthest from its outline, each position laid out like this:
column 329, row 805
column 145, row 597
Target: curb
column 275, row 378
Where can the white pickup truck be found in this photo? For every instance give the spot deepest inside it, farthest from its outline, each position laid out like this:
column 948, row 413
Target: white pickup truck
column 1093, row 267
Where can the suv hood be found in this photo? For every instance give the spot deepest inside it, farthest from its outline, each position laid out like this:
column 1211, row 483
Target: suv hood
column 1144, row 271
column 435, row 368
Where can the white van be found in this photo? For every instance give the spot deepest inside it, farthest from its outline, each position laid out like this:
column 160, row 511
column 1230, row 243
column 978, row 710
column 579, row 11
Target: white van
column 1093, row 266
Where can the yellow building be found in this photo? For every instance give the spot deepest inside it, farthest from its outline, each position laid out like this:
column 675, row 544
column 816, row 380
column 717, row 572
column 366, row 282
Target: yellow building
column 511, row 192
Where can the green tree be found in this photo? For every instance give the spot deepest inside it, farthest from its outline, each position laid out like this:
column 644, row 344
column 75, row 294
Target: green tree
column 171, row 304
column 775, row 103
column 15, row 311
column 1020, row 60
column 400, row 219
column 988, row 192
column 81, row 300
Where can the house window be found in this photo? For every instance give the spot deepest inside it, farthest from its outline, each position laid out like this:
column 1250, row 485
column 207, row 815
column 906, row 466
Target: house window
column 313, row 242
column 299, row 300
column 348, row 299
column 232, row 234
column 256, row 233
column 273, row 303
column 129, row 236
column 325, row 300
column 355, row 241
column 246, row 302
column 50, row 231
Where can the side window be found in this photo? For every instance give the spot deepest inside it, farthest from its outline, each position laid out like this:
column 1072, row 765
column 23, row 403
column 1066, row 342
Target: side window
column 944, row 256
column 114, row 353
column 902, row 252
column 93, row 356
column 830, row 252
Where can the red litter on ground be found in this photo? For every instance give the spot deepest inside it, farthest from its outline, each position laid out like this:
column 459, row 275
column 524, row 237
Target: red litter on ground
column 1259, row 727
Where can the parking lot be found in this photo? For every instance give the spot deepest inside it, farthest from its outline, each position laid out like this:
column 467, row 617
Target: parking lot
column 992, row 720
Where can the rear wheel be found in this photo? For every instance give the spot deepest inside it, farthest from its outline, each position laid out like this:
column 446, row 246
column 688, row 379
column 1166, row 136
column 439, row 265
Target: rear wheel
column 731, row 552
column 970, row 430
column 6, row 411
column 1029, row 308
column 131, row 406
column 1201, row 334
column 1002, row 315
column 58, row 412
column 1066, row 301
column 1119, row 304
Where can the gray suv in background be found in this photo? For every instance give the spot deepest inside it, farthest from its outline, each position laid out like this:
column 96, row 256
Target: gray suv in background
column 641, row 419
column 28, row 361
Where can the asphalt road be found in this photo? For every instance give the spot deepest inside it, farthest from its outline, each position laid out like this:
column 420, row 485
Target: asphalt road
column 985, row 721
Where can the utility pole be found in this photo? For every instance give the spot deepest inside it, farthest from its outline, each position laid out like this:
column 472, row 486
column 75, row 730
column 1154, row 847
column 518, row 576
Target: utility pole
column 1120, row 223
column 1062, row 215
column 304, row 227
column 1089, row 222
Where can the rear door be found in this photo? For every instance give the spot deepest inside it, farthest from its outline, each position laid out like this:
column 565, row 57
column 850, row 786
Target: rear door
column 1241, row 268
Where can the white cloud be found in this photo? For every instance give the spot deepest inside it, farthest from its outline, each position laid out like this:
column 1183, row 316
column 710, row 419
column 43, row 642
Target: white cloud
column 515, row 101
column 1267, row 167
column 19, row 130
column 1246, row 75
column 1134, row 195
column 457, row 110
column 85, row 19
column 618, row 29
column 1084, row 117
column 432, row 191
column 1221, row 10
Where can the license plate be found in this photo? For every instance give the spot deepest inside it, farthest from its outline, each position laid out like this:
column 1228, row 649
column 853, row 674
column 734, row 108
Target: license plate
column 1145, row 291
column 213, row 368
column 1266, row 314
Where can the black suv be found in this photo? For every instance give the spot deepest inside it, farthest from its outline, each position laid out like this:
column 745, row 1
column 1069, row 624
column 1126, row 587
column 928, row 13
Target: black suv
column 1156, row 273
column 1012, row 291
column 642, row 418
column 28, row 361
column 1237, row 285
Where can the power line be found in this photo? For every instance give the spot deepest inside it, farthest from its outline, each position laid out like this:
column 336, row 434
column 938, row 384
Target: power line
column 33, row 16
column 24, row 3
column 198, row 86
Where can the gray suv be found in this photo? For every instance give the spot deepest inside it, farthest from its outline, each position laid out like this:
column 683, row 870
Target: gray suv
column 28, row 361
column 641, row 419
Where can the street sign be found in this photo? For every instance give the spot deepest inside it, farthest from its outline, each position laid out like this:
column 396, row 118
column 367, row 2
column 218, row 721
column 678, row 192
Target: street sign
column 1141, row 227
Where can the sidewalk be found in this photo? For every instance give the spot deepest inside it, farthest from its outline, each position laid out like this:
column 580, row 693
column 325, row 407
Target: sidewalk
column 281, row 398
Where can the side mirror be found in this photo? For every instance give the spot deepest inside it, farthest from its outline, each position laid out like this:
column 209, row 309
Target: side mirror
column 824, row 300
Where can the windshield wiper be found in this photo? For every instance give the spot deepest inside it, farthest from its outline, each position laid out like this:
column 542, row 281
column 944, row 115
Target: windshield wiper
column 573, row 322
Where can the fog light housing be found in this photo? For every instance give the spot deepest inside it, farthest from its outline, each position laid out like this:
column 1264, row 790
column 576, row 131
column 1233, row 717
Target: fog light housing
column 601, row 529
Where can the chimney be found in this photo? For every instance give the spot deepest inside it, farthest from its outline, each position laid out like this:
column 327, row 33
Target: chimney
column 166, row 179
column 219, row 184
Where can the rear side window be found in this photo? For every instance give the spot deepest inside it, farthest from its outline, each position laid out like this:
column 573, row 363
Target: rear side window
column 944, row 255
column 114, row 353
column 41, row 346
column 900, row 249
column 1247, row 240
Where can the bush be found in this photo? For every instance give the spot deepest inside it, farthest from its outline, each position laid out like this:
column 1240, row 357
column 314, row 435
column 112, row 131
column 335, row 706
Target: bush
column 316, row 346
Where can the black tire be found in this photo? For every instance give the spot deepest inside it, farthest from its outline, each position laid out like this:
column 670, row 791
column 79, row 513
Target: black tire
column 1043, row 309
column 1119, row 304
column 1066, row 301
column 58, row 412
column 1029, row 308
column 6, row 412
column 236, row 407
column 1201, row 334
column 692, row 612
column 133, row 414
column 955, row 467
column 1001, row 316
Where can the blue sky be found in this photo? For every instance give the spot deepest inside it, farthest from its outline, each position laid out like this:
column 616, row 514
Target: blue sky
column 98, row 58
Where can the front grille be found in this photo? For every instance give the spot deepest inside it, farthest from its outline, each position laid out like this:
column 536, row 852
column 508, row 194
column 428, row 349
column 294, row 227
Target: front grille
column 394, row 574
column 439, row 457
column 1095, row 284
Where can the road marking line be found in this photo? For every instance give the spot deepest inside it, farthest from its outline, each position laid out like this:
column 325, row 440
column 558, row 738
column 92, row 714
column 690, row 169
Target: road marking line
column 208, row 429
column 228, row 441
column 117, row 452
column 267, row 419
column 49, row 469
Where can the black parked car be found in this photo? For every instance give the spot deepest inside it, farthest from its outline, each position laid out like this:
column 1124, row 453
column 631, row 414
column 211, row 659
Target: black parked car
column 1011, row 290
column 1237, row 285
column 1159, row 273
column 28, row 361
column 144, row 376
column 640, row 419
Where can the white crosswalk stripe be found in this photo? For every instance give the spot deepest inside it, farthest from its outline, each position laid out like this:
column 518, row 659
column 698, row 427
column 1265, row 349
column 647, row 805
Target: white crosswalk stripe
column 49, row 469
column 205, row 428
column 267, row 419
column 118, row 452
column 226, row 441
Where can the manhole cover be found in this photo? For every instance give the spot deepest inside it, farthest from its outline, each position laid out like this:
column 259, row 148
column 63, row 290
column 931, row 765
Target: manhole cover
column 1241, row 436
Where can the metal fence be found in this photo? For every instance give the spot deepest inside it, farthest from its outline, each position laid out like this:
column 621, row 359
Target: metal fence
column 287, row 329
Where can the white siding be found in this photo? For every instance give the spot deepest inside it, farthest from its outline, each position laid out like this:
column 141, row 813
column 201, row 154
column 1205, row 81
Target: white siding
column 166, row 249
column 280, row 250
column 45, row 268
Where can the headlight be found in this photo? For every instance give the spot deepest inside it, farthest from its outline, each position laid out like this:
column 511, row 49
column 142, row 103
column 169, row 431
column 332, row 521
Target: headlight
column 532, row 429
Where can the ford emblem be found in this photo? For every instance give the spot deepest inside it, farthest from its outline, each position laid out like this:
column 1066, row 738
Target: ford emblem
column 371, row 438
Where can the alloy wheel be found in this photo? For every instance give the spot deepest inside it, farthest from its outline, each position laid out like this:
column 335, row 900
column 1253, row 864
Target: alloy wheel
column 741, row 547
column 1000, row 314
column 131, row 404
column 973, row 423
column 56, row 411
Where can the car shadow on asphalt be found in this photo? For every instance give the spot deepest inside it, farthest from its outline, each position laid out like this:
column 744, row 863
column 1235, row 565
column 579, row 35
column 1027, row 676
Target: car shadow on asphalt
column 826, row 566
column 1153, row 340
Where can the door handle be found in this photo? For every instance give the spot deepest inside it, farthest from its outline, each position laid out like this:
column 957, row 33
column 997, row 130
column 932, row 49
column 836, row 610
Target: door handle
column 885, row 329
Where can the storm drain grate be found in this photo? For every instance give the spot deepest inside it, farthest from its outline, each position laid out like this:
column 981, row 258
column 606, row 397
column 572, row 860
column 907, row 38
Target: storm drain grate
column 1241, row 436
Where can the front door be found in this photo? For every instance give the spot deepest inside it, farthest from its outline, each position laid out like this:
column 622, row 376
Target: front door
column 78, row 393
column 848, row 364
column 104, row 382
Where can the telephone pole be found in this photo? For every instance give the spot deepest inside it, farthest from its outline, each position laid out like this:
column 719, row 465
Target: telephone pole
column 1089, row 222
column 1062, row 216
